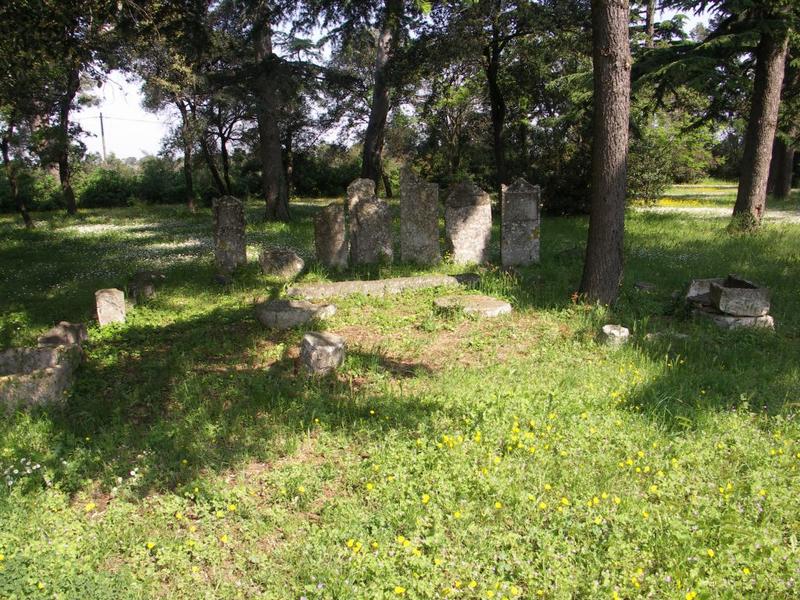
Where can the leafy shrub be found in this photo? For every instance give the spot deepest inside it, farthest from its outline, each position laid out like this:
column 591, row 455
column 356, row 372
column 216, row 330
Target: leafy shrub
column 104, row 187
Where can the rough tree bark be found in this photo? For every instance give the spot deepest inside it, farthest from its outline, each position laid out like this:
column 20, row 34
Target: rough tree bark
column 273, row 178
column 497, row 105
column 780, row 169
column 650, row 24
column 11, row 174
column 371, row 162
column 602, row 271
column 751, row 197
column 64, row 107
column 186, row 142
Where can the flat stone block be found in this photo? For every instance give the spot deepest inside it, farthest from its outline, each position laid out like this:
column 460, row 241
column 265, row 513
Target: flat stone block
column 322, row 352
column 281, row 262
column 474, row 304
column 64, row 334
column 378, row 287
column 286, row 314
column 110, row 305
column 36, row 376
column 700, row 290
column 613, row 335
column 732, row 322
column 740, row 297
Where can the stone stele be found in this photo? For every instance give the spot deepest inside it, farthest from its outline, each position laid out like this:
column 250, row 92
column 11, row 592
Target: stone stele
column 330, row 239
column 370, row 225
column 230, row 247
column 419, row 220
column 468, row 223
column 519, row 245
column 110, row 306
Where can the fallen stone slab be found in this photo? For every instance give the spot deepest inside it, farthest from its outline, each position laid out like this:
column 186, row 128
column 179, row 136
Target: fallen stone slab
column 110, row 305
column 652, row 337
column 281, row 262
column 699, row 293
column 64, row 334
column 322, row 352
column 474, row 304
column 378, row 287
column 645, row 286
column 36, row 376
column 286, row 314
column 733, row 322
column 740, row 298
column 614, row 335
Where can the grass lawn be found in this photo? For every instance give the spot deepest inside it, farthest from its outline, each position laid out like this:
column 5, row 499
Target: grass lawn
column 450, row 457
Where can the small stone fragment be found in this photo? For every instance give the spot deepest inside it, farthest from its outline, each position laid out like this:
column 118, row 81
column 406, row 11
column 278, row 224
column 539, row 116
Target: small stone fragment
column 142, row 285
column 286, row 314
column 110, row 305
column 474, row 304
column 322, row 352
column 614, row 335
column 64, row 334
column 281, row 262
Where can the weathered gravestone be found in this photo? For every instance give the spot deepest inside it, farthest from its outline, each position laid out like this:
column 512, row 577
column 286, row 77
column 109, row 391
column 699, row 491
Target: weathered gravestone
column 369, row 226
column 280, row 262
column 330, row 239
column 285, row 314
column 519, row 245
column 468, row 223
column 474, row 304
column 230, row 249
column 419, row 220
column 110, row 306
column 322, row 352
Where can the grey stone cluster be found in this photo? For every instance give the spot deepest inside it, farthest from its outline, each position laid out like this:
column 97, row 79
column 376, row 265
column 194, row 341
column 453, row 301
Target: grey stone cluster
column 731, row 302
column 363, row 235
column 41, row 375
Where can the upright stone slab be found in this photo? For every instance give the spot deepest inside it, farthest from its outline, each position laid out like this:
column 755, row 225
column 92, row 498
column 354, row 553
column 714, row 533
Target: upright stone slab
column 330, row 240
column 370, row 225
column 110, row 306
column 419, row 220
column 230, row 249
column 468, row 223
column 36, row 376
column 519, row 245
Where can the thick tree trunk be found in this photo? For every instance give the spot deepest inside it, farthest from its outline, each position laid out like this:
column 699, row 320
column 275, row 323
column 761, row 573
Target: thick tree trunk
column 650, row 24
column 273, row 179
column 186, row 142
column 751, row 197
column 497, row 108
column 780, row 169
column 13, row 180
column 371, row 166
column 602, row 271
column 64, row 174
column 387, row 184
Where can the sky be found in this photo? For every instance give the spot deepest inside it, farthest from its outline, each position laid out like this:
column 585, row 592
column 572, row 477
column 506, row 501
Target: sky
column 131, row 131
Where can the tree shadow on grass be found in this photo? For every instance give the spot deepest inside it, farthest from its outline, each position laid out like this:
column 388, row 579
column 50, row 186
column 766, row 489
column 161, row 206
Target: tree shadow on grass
column 203, row 394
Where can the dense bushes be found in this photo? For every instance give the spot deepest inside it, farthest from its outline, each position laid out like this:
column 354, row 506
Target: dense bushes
column 324, row 171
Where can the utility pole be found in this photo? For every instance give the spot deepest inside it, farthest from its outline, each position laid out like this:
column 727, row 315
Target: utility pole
column 103, row 137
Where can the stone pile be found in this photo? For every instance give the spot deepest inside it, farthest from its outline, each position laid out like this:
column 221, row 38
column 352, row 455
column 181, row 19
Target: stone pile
column 731, row 302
